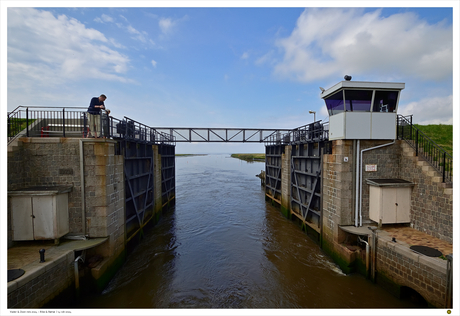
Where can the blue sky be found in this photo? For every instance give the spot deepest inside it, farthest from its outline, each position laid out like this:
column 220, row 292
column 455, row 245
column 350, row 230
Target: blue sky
column 226, row 67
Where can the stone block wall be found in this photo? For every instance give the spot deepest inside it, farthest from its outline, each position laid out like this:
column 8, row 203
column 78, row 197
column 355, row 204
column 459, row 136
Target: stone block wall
column 57, row 161
column 398, row 265
column 286, row 179
column 337, row 180
column 48, row 162
column 431, row 201
column 104, row 194
column 44, row 285
column 387, row 160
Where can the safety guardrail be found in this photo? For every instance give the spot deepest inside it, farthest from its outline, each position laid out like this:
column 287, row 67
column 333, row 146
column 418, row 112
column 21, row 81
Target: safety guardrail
column 43, row 121
column 313, row 132
column 425, row 147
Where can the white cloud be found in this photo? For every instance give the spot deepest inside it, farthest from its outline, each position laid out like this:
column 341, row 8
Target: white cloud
column 103, row 19
column 154, row 63
column 245, row 55
column 166, row 24
column 334, row 42
column 268, row 58
column 49, row 50
column 435, row 110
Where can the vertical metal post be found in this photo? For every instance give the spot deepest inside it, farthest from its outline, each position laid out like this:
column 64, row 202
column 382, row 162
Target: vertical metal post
column 321, row 197
column 27, row 121
column 416, row 142
column 411, row 127
column 63, row 122
column 444, row 167
column 449, row 281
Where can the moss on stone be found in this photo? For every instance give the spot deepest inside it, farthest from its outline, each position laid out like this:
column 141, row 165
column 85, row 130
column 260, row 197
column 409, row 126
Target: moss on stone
column 345, row 266
column 102, row 282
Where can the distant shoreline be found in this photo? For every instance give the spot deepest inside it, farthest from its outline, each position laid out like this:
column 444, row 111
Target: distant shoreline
column 250, row 157
column 189, row 155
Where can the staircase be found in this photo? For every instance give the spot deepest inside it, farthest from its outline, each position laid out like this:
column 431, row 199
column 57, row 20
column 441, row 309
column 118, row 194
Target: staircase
column 409, row 153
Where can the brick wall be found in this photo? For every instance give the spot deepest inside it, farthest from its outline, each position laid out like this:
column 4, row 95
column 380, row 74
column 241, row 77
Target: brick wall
column 337, row 189
column 431, row 205
column 387, row 159
column 42, row 288
column 399, row 265
column 104, row 194
column 56, row 161
column 48, row 162
column 286, row 178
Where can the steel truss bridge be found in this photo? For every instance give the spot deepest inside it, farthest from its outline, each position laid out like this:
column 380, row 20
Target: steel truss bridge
column 217, row 135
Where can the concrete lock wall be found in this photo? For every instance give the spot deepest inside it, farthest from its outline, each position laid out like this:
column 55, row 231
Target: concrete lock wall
column 286, row 179
column 47, row 162
column 96, row 205
column 399, row 267
column 431, row 201
column 431, row 213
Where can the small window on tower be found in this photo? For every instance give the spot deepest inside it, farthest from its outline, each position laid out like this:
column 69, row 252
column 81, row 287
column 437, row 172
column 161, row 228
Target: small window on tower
column 385, row 101
column 334, row 103
column 358, row 100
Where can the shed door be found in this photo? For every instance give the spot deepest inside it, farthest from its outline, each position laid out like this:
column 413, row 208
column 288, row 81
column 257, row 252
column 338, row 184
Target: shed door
column 22, row 218
column 43, row 210
column 389, row 205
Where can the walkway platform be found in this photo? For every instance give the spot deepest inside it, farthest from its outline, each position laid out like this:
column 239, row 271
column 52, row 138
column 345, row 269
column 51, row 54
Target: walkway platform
column 404, row 236
column 25, row 255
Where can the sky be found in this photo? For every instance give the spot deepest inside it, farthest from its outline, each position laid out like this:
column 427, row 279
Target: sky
column 232, row 66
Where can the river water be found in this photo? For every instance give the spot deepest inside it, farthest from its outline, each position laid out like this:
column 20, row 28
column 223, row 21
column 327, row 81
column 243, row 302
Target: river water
column 223, row 246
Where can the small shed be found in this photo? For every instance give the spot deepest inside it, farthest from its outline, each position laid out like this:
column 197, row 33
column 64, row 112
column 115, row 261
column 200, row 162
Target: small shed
column 40, row 212
column 389, row 200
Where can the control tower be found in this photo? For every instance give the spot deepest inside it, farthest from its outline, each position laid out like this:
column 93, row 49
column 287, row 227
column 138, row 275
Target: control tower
column 362, row 109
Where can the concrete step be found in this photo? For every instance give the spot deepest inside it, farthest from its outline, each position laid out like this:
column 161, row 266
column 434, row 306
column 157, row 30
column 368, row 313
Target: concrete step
column 409, row 153
column 15, row 145
column 422, row 163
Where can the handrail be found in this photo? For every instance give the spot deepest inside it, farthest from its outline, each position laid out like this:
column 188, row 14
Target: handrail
column 312, row 132
column 46, row 121
column 426, row 148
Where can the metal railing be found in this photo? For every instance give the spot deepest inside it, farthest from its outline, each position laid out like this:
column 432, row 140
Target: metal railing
column 40, row 121
column 425, row 147
column 313, row 132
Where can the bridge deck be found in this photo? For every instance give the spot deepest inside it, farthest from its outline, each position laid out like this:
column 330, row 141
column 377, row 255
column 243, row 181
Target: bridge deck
column 213, row 135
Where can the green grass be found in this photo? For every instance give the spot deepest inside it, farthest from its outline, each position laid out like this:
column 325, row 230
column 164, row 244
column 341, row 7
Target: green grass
column 250, row 157
column 441, row 134
column 17, row 125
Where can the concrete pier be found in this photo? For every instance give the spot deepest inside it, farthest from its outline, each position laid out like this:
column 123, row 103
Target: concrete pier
column 396, row 266
column 95, row 172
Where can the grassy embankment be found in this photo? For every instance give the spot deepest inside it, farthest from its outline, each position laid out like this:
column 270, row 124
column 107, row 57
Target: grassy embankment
column 250, row 157
column 16, row 125
column 440, row 134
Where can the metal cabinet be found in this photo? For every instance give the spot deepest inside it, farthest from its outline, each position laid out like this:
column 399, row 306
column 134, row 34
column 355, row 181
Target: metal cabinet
column 389, row 200
column 39, row 213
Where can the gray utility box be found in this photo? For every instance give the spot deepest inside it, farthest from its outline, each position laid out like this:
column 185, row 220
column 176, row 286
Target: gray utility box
column 40, row 213
column 389, row 200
